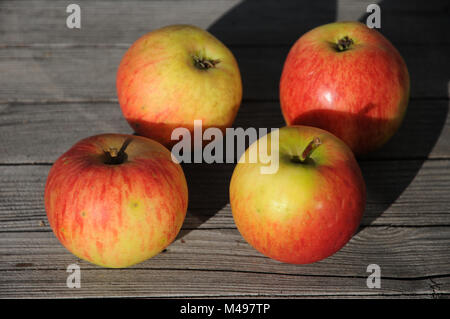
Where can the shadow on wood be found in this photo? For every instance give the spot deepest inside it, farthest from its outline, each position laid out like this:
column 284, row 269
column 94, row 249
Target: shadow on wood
column 416, row 150
column 234, row 28
column 209, row 184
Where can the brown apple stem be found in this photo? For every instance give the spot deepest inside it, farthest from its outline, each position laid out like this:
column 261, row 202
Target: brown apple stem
column 114, row 157
column 344, row 44
column 310, row 148
column 203, row 63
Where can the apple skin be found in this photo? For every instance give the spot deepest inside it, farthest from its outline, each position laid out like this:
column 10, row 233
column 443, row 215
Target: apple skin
column 306, row 211
column 116, row 215
column 360, row 94
column 160, row 88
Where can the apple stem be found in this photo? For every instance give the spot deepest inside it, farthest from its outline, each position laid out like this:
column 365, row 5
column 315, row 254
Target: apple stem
column 114, row 157
column 310, row 148
column 203, row 63
column 344, row 44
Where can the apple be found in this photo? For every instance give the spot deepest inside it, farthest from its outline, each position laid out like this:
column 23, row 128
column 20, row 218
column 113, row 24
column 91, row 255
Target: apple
column 116, row 200
column 310, row 207
column 174, row 75
column 349, row 80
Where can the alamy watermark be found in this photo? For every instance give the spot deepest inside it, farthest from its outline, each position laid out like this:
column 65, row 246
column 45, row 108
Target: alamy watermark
column 73, row 20
column 74, row 279
column 374, row 18
column 264, row 150
column 374, row 279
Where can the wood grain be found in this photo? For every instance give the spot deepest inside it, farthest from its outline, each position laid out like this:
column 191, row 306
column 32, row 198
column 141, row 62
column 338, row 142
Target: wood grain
column 53, row 73
column 397, row 197
column 194, row 283
column 40, row 133
column 218, row 262
column 58, row 86
column 234, row 22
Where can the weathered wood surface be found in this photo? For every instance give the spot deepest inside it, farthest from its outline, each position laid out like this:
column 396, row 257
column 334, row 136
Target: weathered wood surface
column 43, row 59
column 89, row 74
column 427, row 123
column 218, row 262
column 244, row 22
column 194, row 283
column 201, row 248
column 397, row 197
column 58, row 85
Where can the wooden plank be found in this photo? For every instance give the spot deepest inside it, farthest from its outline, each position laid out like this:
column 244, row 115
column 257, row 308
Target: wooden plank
column 57, row 86
column 219, row 263
column 399, row 194
column 424, row 133
column 84, row 73
column 38, row 129
column 401, row 252
column 185, row 283
column 102, row 22
column 234, row 22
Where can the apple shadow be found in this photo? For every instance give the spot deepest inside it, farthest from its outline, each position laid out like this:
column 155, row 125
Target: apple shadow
column 240, row 30
column 260, row 34
column 333, row 121
column 209, row 183
column 391, row 169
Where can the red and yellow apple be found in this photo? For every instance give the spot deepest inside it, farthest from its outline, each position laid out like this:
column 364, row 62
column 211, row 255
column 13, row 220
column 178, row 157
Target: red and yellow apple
column 349, row 80
column 174, row 75
column 116, row 200
column 310, row 207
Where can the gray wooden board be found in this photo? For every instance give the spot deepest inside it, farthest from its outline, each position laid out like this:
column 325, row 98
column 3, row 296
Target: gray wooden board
column 52, row 73
column 58, row 86
column 40, row 133
column 245, row 22
column 218, row 262
column 194, row 283
column 395, row 198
